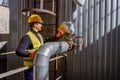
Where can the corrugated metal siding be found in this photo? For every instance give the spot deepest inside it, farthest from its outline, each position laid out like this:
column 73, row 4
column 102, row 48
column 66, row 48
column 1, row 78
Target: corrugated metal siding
column 99, row 58
column 3, row 38
column 18, row 26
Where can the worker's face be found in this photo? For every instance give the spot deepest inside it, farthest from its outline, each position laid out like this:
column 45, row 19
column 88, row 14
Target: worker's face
column 38, row 26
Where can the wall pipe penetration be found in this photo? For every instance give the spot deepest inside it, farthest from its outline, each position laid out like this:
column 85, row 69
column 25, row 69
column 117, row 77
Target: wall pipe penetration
column 41, row 60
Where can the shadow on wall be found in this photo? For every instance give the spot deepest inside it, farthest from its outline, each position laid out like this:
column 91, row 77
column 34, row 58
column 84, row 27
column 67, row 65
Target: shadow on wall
column 3, row 61
column 97, row 61
column 3, row 58
column 118, row 55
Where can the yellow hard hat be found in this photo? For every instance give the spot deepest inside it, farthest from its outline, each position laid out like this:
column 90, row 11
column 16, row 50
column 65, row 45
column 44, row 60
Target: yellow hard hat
column 61, row 30
column 35, row 18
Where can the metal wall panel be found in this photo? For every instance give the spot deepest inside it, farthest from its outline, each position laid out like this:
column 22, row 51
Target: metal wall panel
column 18, row 26
column 4, row 32
column 98, row 23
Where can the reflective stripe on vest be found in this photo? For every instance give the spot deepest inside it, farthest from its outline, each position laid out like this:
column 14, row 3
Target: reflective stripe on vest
column 36, row 44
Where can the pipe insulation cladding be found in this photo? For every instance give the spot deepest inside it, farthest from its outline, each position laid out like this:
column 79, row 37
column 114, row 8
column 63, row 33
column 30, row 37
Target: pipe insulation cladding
column 80, row 2
column 41, row 60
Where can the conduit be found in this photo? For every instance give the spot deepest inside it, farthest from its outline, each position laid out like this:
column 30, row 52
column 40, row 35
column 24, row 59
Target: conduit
column 41, row 60
column 13, row 72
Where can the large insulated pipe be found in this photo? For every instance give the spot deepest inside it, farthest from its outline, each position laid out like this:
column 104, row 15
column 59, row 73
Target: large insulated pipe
column 74, row 12
column 41, row 60
column 80, row 2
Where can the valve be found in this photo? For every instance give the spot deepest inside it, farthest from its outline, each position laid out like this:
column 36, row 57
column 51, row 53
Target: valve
column 66, row 32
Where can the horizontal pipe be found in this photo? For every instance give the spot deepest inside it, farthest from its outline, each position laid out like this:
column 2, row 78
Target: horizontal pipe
column 6, row 53
column 56, row 58
column 13, row 72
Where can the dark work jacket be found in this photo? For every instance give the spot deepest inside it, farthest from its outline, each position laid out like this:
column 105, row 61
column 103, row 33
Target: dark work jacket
column 26, row 43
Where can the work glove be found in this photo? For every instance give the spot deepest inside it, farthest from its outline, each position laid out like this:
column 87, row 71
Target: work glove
column 32, row 54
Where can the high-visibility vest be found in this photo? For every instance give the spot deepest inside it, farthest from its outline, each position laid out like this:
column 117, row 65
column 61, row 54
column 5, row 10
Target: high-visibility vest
column 36, row 44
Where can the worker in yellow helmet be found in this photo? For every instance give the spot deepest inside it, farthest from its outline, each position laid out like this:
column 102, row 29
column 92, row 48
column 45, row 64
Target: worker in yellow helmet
column 30, row 43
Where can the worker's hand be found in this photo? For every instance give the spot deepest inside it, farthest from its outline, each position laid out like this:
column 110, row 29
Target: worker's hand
column 31, row 55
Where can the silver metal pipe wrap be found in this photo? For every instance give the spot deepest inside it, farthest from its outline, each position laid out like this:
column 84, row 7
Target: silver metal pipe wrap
column 41, row 60
column 75, row 12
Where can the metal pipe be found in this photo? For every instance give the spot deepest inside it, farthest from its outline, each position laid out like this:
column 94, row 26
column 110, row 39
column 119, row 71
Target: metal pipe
column 11, row 72
column 80, row 2
column 41, row 4
column 41, row 60
column 66, row 10
column 75, row 12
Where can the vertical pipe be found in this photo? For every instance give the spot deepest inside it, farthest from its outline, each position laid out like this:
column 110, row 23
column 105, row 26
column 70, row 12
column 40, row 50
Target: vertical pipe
column 41, row 4
column 80, row 24
column 91, row 13
column 66, row 10
column 57, row 20
column 53, row 5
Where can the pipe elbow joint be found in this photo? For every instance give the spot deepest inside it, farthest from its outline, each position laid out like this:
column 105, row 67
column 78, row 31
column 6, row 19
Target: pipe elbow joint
column 51, row 48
